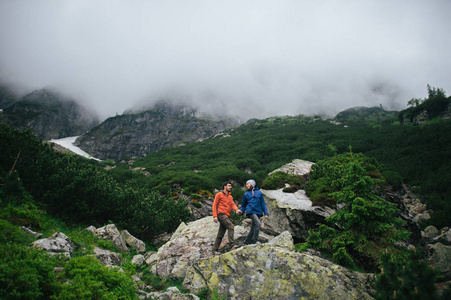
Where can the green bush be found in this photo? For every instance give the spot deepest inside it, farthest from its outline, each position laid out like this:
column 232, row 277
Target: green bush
column 410, row 278
column 277, row 180
column 10, row 233
column 26, row 273
column 87, row 279
column 366, row 224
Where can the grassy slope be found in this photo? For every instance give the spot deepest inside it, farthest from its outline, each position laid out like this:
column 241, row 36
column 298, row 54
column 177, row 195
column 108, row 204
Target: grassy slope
column 421, row 155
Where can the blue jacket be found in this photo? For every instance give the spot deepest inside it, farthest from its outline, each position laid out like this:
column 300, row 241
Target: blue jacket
column 253, row 203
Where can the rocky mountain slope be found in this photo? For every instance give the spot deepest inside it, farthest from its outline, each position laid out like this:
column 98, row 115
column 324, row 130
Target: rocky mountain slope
column 137, row 134
column 7, row 96
column 49, row 115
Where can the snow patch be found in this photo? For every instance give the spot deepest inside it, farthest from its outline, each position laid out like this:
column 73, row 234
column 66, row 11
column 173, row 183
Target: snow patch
column 68, row 143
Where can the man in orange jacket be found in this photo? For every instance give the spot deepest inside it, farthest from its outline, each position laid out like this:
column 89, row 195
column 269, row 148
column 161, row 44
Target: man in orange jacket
column 222, row 205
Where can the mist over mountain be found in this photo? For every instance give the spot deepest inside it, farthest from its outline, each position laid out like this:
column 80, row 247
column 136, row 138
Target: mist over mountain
column 48, row 114
column 250, row 60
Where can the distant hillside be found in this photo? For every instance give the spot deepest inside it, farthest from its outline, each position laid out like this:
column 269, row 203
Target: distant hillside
column 422, row 111
column 367, row 114
column 49, row 115
column 137, row 134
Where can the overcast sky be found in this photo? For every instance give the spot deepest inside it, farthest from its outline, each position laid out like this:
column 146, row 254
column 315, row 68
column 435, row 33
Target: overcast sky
column 248, row 58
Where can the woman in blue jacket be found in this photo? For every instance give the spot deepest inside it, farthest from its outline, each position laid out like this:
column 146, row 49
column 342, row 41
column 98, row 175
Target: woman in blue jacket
column 254, row 206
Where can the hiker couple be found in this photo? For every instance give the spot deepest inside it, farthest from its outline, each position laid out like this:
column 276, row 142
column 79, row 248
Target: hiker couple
column 252, row 204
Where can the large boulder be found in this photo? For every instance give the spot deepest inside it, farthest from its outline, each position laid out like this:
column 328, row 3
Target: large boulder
column 189, row 243
column 57, row 244
column 292, row 211
column 440, row 259
column 270, row 272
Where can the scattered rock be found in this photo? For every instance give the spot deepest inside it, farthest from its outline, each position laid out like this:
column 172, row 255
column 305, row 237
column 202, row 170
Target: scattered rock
column 429, row 232
column 172, row 293
column 138, row 259
column 122, row 239
column 111, row 233
column 107, row 257
column 133, row 242
column 57, row 244
column 283, row 240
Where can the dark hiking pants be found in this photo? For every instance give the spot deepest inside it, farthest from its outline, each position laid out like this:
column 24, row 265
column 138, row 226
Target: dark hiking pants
column 252, row 237
column 224, row 225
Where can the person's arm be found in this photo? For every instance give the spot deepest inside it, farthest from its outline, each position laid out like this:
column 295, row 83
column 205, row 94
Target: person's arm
column 214, row 208
column 265, row 209
column 243, row 203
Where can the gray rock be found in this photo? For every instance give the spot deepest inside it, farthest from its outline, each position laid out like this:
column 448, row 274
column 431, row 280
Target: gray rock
column 111, row 233
column 293, row 212
column 191, row 242
column 151, row 258
column 429, row 232
column 107, row 257
column 444, row 237
column 440, row 259
column 270, row 272
column 283, row 240
column 172, row 293
column 296, row 167
column 57, row 244
column 138, row 259
column 133, row 242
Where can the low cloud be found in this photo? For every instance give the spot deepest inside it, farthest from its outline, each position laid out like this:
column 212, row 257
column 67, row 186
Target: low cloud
column 249, row 59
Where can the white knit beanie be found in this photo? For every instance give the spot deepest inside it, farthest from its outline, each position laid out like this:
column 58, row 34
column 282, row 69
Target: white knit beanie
column 251, row 182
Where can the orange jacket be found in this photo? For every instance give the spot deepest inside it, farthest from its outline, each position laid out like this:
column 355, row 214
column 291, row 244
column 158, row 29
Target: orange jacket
column 222, row 204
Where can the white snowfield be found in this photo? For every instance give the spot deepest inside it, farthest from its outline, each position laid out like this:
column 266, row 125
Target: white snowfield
column 68, row 143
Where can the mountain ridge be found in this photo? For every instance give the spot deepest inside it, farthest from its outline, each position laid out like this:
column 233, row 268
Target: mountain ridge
column 49, row 115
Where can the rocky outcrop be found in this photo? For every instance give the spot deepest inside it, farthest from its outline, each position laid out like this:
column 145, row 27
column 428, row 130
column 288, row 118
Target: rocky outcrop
column 438, row 245
column 270, row 272
column 296, row 167
column 57, row 244
column 122, row 239
column 137, row 134
column 49, row 115
column 292, row 211
column 261, row 271
column 190, row 243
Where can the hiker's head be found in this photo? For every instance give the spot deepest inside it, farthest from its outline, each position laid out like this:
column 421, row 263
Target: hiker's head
column 227, row 185
column 250, row 184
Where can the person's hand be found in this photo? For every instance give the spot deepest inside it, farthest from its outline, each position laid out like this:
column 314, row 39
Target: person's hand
column 238, row 211
column 215, row 219
column 266, row 216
